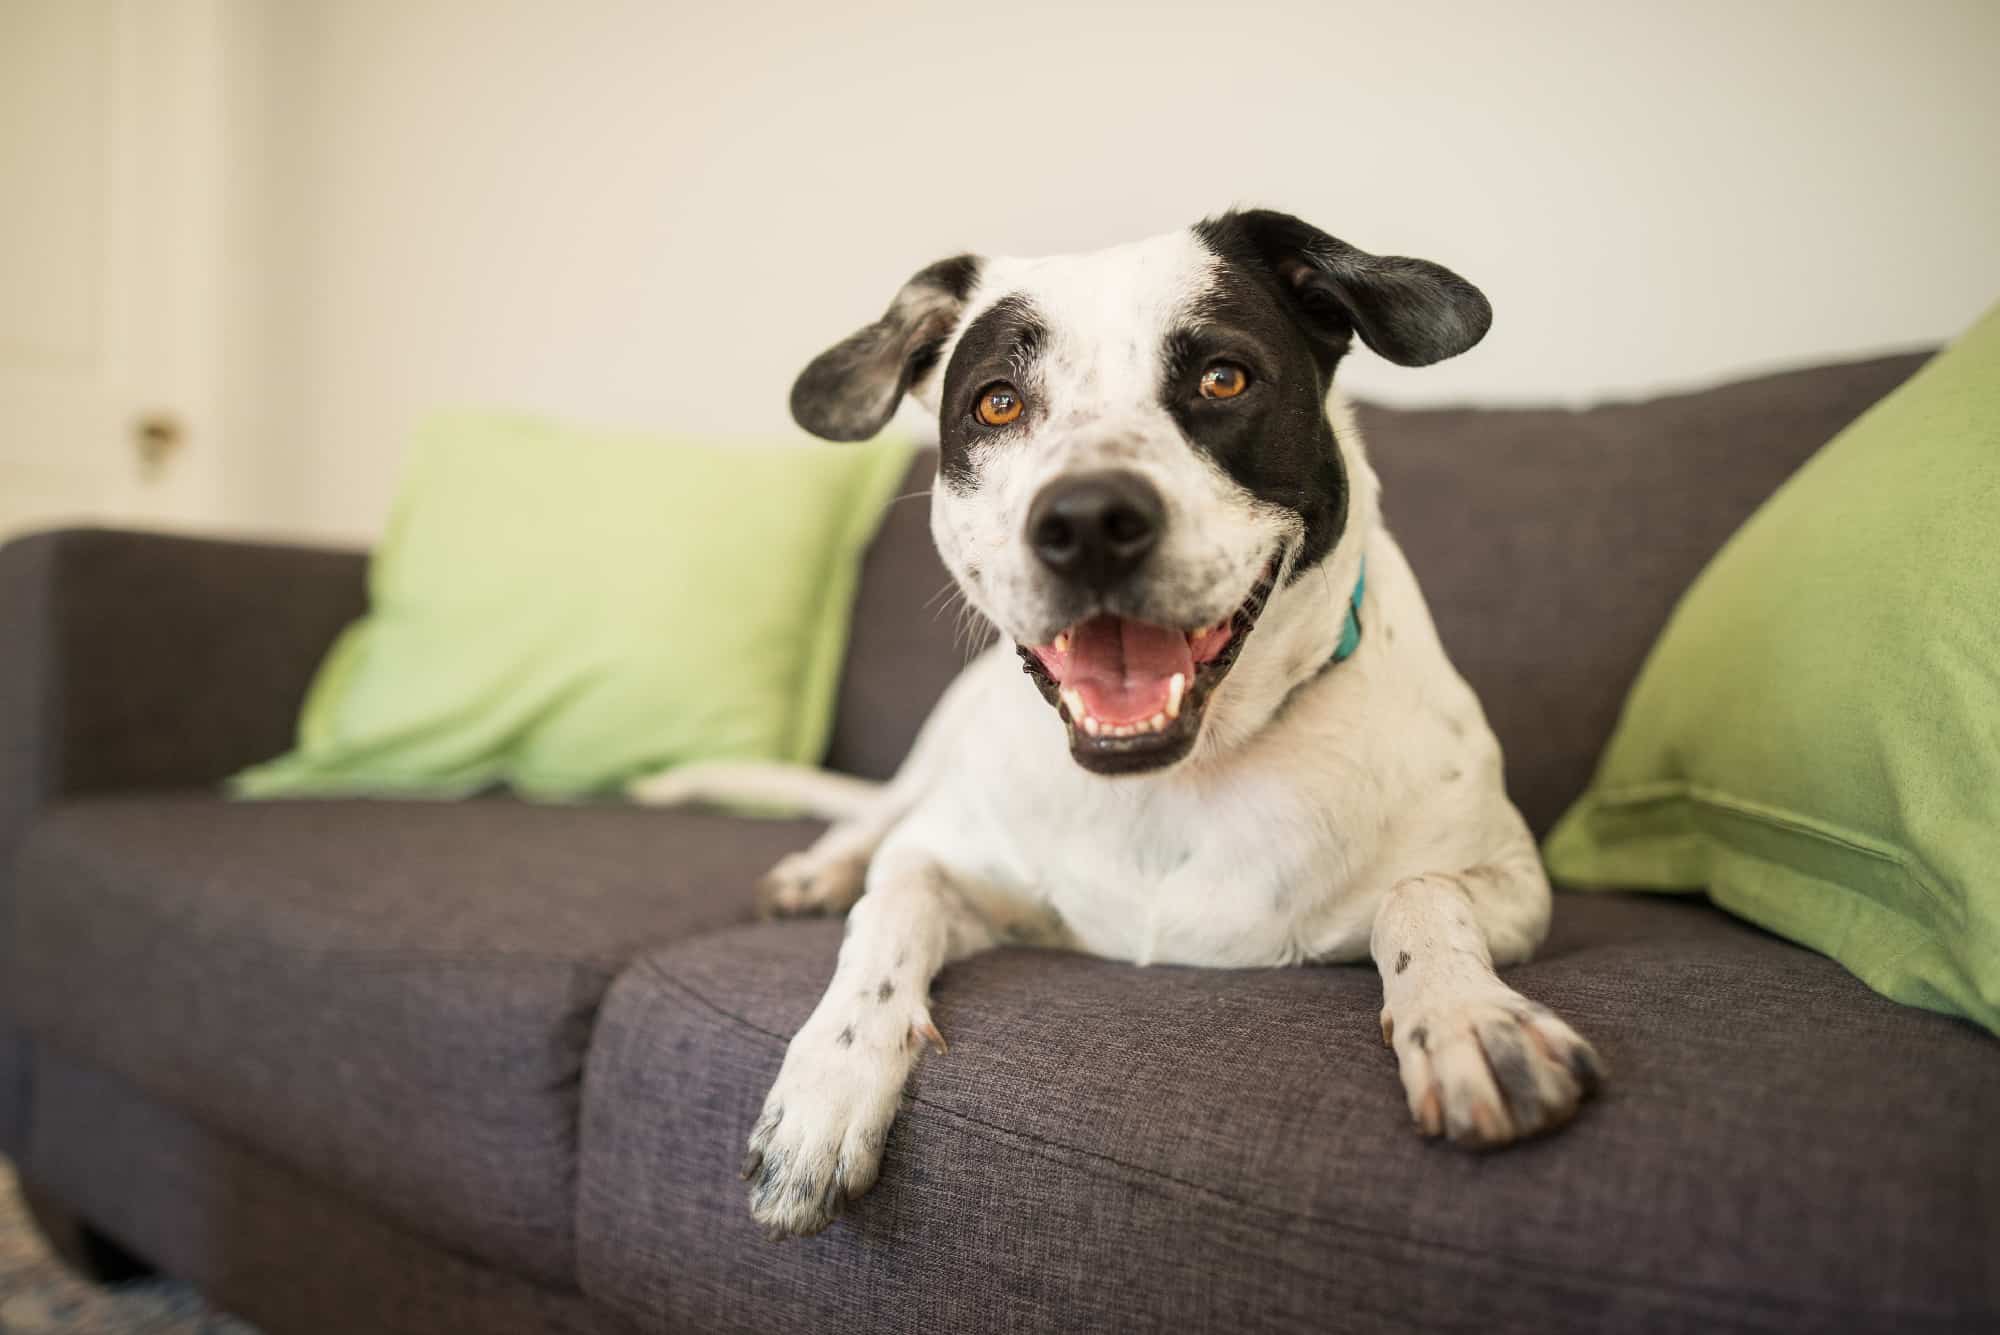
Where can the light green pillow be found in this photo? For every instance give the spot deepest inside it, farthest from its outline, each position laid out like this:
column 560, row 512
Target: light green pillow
column 1816, row 737
column 560, row 610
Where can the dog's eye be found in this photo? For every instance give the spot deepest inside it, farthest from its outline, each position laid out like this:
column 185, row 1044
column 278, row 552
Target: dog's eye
column 999, row 404
column 1224, row 380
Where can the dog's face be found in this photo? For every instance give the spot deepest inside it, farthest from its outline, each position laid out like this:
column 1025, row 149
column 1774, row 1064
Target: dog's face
column 1136, row 452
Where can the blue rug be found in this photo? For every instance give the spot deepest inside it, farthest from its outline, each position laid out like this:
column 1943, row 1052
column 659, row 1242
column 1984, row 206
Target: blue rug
column 39, row 1295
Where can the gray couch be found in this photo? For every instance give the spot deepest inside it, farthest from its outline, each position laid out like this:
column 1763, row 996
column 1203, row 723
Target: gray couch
column 488, row 1067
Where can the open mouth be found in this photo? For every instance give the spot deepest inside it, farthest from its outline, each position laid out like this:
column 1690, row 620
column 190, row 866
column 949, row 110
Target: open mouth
column 1131, row 692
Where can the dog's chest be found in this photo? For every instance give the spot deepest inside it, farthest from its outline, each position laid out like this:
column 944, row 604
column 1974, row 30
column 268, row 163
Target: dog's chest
column 1239, row 874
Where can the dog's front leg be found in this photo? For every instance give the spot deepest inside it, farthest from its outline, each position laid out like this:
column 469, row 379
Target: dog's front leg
column 827, row 877
column 1480, row 1062
column 819, row 1141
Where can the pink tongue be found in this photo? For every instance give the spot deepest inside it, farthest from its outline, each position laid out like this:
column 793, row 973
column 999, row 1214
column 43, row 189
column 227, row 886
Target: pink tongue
column 1124, row 668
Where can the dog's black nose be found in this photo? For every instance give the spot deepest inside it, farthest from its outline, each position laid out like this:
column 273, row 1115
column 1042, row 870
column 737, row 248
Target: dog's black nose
column 1096, row 527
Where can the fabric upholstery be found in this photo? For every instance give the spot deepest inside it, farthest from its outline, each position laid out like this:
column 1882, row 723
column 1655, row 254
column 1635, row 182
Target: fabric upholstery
column 271, row 1245
column 1112, row 1148
column 15, row 1056
column 1552, row 544
column 138, row 660
column 393, row 997
column 906, row 644
column 130, row 660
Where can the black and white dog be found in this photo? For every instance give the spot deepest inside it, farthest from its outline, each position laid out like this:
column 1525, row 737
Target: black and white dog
column 1236, row 741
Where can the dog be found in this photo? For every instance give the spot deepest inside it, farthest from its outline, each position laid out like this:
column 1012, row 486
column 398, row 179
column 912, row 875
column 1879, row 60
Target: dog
column 1217, row 728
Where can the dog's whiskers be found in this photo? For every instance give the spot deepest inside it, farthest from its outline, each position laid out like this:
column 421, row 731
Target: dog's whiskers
column 972, row 631
column 941, row 600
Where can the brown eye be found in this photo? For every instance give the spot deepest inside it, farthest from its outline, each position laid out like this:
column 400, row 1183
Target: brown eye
column 999, row 404
column 1224, row 380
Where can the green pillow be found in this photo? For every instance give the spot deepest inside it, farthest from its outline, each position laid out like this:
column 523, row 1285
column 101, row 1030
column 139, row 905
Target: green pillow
column 1816, row 737
column 562, row 610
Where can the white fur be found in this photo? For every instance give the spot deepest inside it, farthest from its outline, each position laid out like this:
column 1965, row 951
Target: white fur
column 1097, row 382
column 1324, row 815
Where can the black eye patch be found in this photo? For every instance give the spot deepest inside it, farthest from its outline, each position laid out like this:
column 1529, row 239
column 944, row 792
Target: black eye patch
column 1190, row 351
column 1002, row 343
column 1274, row 440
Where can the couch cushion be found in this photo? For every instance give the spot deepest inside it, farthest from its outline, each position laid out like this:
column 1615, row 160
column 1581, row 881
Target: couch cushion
column 273, row 1246
column 1105, row 1147
column 392, row 997
column 1552, row 544
column 14, row 1089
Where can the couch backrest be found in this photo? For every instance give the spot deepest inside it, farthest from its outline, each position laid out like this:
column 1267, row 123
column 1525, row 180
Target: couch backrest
column 1552, row 544
column 904, row 646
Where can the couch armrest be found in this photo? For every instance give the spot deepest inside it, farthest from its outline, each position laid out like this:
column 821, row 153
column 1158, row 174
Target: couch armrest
column 132, row 660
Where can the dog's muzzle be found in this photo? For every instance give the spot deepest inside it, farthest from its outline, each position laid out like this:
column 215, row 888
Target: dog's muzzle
column 1132, row 692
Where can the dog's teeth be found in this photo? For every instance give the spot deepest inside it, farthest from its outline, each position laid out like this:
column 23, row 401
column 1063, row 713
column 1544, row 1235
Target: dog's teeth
column 1176, row 687
column 1157, row 723
column 1061, row 644
column 1073, row 701
column 1092, row 726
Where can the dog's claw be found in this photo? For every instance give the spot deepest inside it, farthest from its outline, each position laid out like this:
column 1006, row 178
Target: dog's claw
column 928, row 1032
column 1430, row 1114
column 752, row 1161
column 1388, row 1028
column 1587, row 1068
column 1490, row 1126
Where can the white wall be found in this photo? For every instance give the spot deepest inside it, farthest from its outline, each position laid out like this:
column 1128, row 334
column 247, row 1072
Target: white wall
column 653, row 214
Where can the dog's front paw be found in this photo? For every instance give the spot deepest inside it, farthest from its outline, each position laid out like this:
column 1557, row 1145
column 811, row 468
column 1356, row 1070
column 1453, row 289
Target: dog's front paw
column 811, row 882
column 819, row 1142
column 1492, row 1070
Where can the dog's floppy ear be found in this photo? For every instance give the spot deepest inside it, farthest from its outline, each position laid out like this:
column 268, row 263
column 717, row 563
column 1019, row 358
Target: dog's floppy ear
column 1413, row 312
column 850, row 391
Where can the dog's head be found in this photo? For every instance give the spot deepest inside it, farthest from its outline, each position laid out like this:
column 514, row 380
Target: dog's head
column 1137, row 456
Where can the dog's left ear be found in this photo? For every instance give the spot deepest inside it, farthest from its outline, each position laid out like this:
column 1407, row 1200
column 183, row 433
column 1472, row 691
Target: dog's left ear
column 850, row 391
column 1411, row 311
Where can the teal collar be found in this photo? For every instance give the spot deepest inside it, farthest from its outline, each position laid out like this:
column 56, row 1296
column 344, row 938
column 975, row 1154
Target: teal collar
column 1350, row 633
